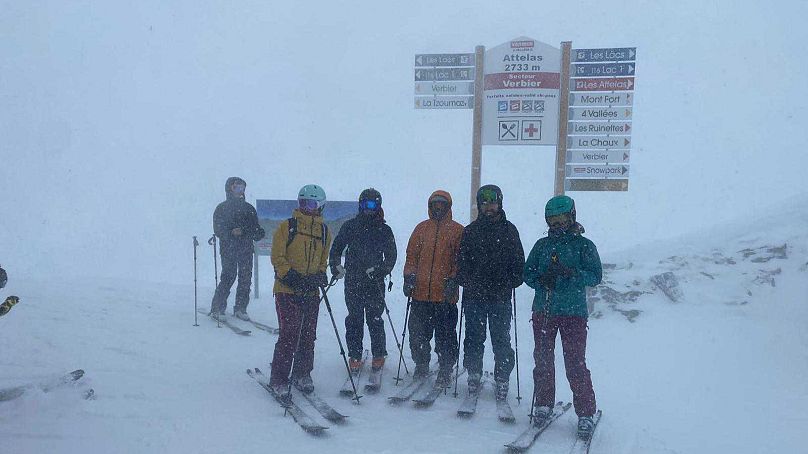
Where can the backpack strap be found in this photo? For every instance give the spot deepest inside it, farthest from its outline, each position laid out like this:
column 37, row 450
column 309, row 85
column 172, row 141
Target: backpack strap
column 293, row 231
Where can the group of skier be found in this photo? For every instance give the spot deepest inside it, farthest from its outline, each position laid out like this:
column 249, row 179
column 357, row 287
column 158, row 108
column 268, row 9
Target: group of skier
column 486, row 258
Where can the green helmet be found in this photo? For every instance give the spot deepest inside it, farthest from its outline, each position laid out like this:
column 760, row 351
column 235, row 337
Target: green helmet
column 560, row 204
column 312, row 192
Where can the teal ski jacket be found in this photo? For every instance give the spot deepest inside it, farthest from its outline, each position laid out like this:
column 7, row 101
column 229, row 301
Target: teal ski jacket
column 568, row 298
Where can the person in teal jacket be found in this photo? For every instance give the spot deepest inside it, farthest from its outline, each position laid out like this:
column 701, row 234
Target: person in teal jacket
column 560, row 267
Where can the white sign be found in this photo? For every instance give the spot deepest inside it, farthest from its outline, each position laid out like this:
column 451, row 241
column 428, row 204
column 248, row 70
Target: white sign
column 601, row 99
column 597, row 156
column 599, row 127
column 444, row 102
column 600, row 113
column 598, row 142
column 444, row 88
column 521, row 93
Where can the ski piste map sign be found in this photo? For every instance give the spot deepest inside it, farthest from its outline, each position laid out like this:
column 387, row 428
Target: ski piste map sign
column 521, row 93
column 600, row 118
column 272, row 212
column 444, row 81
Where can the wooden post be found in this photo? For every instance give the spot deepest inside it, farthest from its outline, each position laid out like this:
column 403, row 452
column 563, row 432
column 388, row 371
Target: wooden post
column 477, row 132
column 563, row 116
column 256, row 291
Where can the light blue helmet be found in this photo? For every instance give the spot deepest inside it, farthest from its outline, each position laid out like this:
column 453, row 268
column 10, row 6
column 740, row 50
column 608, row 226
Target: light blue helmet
column 312, row 192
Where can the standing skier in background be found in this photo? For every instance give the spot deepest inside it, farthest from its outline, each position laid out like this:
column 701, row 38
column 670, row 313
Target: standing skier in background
column 299, row 255
column 489, row 267
column 430, row 280
column 235, row 222
column 370, row 257
column 11, row 300
column 560, row 267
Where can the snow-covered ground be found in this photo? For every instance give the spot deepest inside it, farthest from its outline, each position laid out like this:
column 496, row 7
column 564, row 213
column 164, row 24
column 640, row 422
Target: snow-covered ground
column 721, row 369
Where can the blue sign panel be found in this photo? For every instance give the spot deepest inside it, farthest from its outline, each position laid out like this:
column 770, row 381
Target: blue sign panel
column 612, row 54
column 602, row 69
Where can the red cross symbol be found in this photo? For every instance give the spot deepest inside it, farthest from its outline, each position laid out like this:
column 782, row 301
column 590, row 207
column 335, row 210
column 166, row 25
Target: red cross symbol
column 531, row 129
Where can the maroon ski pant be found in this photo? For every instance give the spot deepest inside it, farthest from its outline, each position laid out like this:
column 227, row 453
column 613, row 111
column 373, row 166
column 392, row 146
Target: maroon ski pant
column 297, row 317
column 573, row 341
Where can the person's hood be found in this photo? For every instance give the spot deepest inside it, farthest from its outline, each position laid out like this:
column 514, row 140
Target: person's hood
column 445, row 195
column 229, row 183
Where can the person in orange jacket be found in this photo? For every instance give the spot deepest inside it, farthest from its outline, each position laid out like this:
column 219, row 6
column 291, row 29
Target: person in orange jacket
column 430, row 281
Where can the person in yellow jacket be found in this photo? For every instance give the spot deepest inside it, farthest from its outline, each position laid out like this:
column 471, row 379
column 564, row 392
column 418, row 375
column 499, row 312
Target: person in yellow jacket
column 300, row 248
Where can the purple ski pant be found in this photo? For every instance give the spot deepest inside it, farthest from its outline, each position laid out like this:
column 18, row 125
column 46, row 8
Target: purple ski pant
column 297, row 317
column 573, row 342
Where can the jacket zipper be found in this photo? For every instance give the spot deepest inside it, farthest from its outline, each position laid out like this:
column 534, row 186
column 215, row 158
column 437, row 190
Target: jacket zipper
column 432, row 266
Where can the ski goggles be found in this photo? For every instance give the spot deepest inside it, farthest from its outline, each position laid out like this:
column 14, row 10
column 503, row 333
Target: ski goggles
column 559, row 220
column 489, row 196
column 369, row 205
column 239, row 188
column 308, row 204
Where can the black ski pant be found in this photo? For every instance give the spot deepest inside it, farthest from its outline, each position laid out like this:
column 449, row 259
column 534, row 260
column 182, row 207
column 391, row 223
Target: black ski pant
column 497, row 314
column 365, row 304
column 428, row 318
column 235, row 261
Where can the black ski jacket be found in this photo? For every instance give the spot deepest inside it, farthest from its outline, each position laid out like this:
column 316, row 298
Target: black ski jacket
column 370, row 243
column 232, row 213
column 490, row 260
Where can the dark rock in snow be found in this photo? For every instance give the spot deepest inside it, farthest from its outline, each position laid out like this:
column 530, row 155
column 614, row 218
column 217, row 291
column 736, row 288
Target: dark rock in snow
column 669, row 285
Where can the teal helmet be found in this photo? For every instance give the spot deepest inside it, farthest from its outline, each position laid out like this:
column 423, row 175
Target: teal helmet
column 312, row 192
column 560, row 204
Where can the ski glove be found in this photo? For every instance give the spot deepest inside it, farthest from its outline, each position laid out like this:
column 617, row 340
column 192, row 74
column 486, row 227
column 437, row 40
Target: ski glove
column 8, row 304
column 450, row 289
column 295, row 280
column 547, row 280
column 337, row 271
column 260, row 233
column 560, row 270
column 409, row 284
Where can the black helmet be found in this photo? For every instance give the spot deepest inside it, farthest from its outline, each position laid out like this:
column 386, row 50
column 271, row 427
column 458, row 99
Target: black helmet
column 370, row 199
column 489, row 193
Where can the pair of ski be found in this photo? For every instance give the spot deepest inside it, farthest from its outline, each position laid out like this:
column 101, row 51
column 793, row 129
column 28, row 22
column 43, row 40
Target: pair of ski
column 46, row 386
column 373, row 385
column 529, row 436
column 224, row 321
column 306, row 422
column 425, row 400
column 469, row 405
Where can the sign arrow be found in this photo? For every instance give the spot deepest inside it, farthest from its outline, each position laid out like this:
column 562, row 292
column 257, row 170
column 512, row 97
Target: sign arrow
column 418, row 60
column 625, row 156
column 624, row 170
column 631, row 53
column 628, row 127
column 631, row 69
column 626, row 142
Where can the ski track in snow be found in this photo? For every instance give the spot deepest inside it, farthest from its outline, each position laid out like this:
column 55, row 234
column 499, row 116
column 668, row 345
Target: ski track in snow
column 710, row 373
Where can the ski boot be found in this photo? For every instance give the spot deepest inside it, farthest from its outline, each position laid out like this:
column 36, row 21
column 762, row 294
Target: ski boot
column 241, row 314
column 421, row 371
column 304, row 384
column 541, row 413
column 377, row 364
column 585, row 427
column 282, row 394
column 355, row 366
column 444, row 379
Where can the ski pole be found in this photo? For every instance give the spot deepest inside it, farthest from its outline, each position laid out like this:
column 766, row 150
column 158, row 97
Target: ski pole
column 403, row 334
column 459, row 335
column 395, row 336
column 196, row 245
column 339, row 340
column 212, row 242
column 516, row 343
column 543, row 332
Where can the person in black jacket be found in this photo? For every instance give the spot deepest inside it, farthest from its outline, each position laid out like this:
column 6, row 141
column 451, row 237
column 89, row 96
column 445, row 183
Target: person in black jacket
column 235, row 222
column 490, row 265
column 370, row 257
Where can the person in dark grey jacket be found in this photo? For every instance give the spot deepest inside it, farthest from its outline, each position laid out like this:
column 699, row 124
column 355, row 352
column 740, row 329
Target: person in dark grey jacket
column 370, row 257
column 235, row 223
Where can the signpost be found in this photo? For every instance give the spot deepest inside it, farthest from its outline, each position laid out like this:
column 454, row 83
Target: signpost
column 444, row 81
column 599, row 115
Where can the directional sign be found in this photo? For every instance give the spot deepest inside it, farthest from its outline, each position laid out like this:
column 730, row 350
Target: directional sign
column 598, row 157
column 600, row 113
column 602, row 99
column 444, row 88
column 599, row 127
column 444, row 102
column 596, row 171
column 444, row 74
column 612, row 54
column 430, row 60
column 595, row 185
column 602, row 69
column 598, row 142
column 612, row 84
